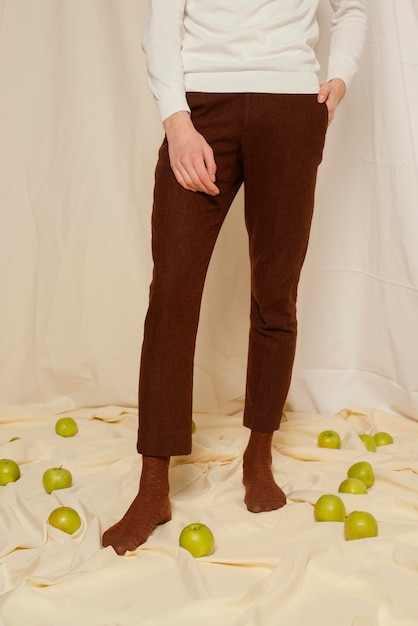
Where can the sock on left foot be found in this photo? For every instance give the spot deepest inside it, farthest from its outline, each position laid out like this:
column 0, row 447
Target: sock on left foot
column 262, row 493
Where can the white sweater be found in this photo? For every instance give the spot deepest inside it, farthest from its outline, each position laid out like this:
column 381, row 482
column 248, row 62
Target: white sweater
column 245, row 45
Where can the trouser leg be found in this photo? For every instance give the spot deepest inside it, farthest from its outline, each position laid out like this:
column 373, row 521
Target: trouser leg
column 282, row 149
column 185, row 226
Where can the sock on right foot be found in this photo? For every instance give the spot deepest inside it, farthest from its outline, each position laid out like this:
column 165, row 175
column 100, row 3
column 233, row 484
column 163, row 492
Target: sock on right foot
column 150, row 507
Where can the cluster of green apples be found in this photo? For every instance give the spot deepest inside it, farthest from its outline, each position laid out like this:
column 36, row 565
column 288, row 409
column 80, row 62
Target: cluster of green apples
column 330, row 507
column 196, row 538
column 332, row 439
column 360, row 477
column 372, row 442
column 64, row 518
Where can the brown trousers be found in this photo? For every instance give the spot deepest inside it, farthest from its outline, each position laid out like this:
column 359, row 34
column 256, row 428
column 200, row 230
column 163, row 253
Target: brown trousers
column 273, row 144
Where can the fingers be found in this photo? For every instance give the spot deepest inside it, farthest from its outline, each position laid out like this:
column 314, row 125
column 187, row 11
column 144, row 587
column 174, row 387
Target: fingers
column 325, row 95
column 331, row 92
column 209, row 162
column 196, row 173
column 193, row 164
column 191, row 157
column 324, row 92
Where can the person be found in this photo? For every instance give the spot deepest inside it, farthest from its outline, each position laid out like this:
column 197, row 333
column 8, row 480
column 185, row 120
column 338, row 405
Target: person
column 236, row 84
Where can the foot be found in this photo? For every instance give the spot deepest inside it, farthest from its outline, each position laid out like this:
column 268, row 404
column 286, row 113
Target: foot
column 262, row 493
column 150, row 508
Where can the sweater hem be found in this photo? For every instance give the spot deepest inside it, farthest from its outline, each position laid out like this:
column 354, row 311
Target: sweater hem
column 253, row 81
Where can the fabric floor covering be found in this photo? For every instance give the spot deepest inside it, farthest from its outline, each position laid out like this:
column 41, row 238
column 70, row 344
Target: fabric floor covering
column 267, row 569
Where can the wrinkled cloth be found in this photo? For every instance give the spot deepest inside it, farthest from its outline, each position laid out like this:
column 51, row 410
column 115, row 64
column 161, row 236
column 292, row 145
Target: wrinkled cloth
column 268, row 567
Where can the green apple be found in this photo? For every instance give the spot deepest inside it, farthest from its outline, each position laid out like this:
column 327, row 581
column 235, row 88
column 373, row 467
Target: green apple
column 382, row 439
column 363, row 471
column 352, row 485
column 360, row 525
column 66, row 427
column 193, row 426
column 56, row 478
column 329, row 439
column 369, row 442
column 9, row 471
column 65, row 518
column 329, row 508
column 198, row 539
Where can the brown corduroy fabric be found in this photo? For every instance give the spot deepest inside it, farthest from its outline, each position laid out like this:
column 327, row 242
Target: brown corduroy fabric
column 273, row 144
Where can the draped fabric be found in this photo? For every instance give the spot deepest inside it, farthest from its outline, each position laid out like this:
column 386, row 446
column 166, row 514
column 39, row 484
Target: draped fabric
column 266, row 568
column 79, row 136
column 358, row 296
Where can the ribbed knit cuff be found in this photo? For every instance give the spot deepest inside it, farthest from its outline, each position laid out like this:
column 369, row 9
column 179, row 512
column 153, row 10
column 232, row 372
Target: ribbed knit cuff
column 172, row 102
column 342, row 67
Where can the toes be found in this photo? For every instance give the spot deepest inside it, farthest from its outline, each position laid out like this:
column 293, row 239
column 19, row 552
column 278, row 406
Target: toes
column 255, row 508
column 261, row 507
column 120, row 550
column 270, row 502
column 264, row 507
column 119, row 546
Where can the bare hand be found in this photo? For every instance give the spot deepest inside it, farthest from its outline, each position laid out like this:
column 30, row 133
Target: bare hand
column 191, row 157
column 332, row 93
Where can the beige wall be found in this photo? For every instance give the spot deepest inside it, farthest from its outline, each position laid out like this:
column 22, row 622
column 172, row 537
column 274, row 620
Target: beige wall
column 79, row 135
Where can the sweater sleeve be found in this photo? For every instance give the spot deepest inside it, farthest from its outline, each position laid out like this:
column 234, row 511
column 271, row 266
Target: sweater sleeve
column 347, row 37
column 161, row 42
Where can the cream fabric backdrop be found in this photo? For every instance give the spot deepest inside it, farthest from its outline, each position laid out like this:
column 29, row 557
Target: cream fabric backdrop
column 79, row 137
column 359, row 296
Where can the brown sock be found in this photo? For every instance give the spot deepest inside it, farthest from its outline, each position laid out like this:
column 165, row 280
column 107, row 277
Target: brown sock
column 150, row 507
column 261, row 491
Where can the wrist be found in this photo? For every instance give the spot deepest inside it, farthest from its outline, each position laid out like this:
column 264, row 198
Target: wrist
column 339, row 87
column 177, row 120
